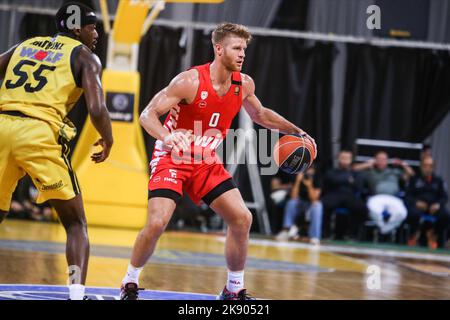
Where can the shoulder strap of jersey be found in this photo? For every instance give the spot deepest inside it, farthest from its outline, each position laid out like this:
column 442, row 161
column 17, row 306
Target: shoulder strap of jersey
column 236, row 78
column 202, row 69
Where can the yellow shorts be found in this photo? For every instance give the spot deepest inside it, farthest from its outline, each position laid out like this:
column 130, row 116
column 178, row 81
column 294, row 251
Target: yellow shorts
column 30, row 146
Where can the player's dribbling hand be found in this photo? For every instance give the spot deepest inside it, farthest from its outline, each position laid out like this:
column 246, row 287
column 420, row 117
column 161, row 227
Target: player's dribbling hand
column 178, row 140
column 302, row 133
column 101, row 156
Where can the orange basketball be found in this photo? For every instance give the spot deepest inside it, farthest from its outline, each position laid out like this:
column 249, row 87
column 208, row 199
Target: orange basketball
column 293, row 153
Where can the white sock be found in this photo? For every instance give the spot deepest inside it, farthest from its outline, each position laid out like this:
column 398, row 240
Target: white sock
column 76, row 291
column 235, row 281
column 132, row 275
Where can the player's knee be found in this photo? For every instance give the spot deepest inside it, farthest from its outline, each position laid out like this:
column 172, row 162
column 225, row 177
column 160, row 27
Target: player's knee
column 155, row 225
column 243, row 222
column 76, row 226
column 248, row 220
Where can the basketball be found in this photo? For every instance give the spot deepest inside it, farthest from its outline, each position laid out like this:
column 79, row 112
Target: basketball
column 294, row 154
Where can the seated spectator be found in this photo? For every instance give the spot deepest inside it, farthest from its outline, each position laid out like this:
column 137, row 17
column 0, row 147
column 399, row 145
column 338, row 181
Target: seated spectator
column 426, row 196
column 24, row 206
column 425, row 152
column 386, row 209
column 281, row 183
column 305, row 202
column 20, row 195
column 37, row 211
column 17, row 209
column 342, row 189
column 280, row 186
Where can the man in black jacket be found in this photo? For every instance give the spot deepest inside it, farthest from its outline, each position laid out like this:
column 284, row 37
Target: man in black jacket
column 342, row 189
column 427, row 196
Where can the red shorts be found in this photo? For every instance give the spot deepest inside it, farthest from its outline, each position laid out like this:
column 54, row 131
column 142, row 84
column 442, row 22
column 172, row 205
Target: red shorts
column 197, row 180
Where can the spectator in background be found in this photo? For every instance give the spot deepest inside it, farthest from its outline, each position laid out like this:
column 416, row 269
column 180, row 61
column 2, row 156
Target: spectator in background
column 386, row 208
column 305, row 202
column 19, row 197
column 24, row 206
column 426, row 151
column 426, row 196
column 37, row 212
column 280, row 185
column 342, row 188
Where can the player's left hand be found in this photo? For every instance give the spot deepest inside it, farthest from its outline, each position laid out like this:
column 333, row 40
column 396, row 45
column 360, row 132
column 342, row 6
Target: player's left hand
column 101, row 156
column 302, row 133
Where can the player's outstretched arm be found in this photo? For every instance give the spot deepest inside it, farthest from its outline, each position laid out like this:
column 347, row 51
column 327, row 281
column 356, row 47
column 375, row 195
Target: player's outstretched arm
column 262, row 115
column 4, row 60
column 182, row 88
column 91, row 70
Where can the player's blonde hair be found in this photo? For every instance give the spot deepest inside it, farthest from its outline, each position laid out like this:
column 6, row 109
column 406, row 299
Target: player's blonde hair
column 226, row 29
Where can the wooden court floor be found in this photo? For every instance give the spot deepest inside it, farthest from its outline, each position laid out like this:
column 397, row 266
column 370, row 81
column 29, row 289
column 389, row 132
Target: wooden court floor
column 33, row 253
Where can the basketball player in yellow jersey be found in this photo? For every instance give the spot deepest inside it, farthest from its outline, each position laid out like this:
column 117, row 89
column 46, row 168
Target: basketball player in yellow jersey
column 43, row 78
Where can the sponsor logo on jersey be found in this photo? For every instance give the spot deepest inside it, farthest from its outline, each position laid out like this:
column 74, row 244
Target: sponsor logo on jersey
column 205, row 141
column 170, row 180
column 40, row 55
column 54, row 186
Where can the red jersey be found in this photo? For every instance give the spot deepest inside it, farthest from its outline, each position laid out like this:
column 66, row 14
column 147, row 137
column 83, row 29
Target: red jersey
column 209, row 116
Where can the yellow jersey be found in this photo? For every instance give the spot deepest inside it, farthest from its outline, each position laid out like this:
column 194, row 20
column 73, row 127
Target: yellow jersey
column 40, row 82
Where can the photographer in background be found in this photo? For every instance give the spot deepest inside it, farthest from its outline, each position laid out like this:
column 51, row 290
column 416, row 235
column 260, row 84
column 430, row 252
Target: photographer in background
column 304, row 206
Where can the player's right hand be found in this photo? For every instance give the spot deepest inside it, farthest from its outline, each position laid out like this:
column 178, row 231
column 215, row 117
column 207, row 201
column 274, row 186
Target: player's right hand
column 178, row 140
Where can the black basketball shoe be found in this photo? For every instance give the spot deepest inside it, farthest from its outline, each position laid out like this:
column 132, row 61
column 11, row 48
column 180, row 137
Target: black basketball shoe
column 130, row 291
column 228, row 295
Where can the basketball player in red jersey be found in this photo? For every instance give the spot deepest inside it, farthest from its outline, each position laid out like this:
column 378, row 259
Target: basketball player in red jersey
column 202, row 102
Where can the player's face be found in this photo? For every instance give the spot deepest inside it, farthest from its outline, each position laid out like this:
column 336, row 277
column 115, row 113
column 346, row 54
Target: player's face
column 233, row 53
column 89, row 36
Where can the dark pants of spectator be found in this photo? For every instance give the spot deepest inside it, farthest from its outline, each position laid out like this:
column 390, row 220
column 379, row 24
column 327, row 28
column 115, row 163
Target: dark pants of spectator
column 442, row 222
column 356, row 216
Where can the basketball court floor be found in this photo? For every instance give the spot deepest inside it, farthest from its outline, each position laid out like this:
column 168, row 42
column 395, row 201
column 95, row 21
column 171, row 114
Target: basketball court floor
column 191, row 266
